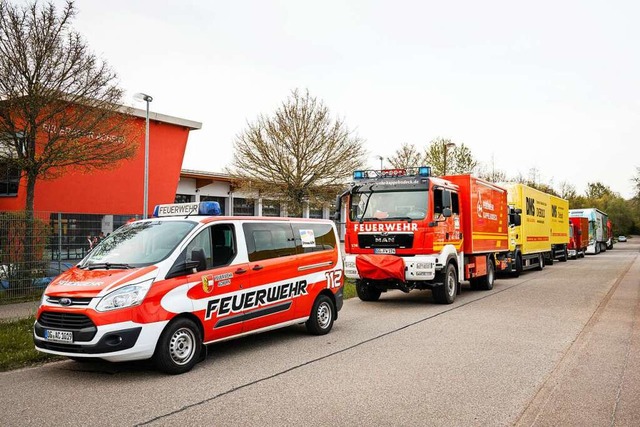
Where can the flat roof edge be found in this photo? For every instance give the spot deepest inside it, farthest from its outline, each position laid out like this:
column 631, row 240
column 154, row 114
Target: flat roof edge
column 193, row 125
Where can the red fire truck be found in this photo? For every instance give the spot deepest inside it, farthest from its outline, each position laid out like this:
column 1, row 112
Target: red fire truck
column 406, row 229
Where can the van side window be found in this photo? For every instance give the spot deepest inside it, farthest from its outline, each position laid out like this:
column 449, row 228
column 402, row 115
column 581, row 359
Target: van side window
column 224, row 245
column 268, row 240
column 199, row 249
column 314, row 237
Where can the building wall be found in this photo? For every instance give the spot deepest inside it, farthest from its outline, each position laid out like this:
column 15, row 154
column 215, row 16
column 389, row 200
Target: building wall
column 118, row 190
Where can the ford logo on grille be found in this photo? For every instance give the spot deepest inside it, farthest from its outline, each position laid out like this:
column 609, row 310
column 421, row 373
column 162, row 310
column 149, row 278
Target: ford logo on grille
column 65, row 301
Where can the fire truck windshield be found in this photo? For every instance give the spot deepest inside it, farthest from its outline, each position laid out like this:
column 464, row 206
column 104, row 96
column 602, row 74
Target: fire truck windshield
column 388, row 205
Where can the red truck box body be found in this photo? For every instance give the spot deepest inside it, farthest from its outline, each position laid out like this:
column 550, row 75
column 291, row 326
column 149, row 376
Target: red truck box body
column 483, row 205
column 581, row 239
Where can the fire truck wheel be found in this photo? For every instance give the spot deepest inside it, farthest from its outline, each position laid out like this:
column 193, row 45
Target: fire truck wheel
column 540, row 262
column 486, row 282
column 550, row 260
column 367, row 292
column 178, row 348
column 446, row 294
column 323, row 314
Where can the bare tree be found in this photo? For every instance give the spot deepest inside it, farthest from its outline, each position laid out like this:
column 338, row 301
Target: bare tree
column 299, row 154
column 406, row 156
column 59, row 104
column 446, row 157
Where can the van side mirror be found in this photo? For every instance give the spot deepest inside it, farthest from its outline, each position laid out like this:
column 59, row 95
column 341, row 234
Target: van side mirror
column 183, row 268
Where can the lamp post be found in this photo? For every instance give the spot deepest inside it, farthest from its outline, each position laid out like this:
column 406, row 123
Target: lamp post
column 446, row 146
column 146, row 98
column 381, row 160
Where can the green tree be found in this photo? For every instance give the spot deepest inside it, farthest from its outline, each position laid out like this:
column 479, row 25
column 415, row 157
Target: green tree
column 298, row 154
column 448, row 158
column 406, row 156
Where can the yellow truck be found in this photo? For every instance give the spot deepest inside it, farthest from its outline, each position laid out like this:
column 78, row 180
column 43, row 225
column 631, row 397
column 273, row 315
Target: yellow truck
column 559, row 229
column 529, row 236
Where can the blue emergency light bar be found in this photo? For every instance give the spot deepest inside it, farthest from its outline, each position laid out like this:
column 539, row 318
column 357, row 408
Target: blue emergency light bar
column 424, row 171
column 184, row 209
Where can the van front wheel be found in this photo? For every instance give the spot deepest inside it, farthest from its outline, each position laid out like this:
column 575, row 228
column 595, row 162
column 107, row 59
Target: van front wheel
column 323, row 313
column 178, row 347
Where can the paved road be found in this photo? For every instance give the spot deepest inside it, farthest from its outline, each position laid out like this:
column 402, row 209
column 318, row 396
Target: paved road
column 561, row 346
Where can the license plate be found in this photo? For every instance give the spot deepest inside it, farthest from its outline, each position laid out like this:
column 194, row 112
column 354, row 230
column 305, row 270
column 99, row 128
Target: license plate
column 386, row 251
column 58, row 336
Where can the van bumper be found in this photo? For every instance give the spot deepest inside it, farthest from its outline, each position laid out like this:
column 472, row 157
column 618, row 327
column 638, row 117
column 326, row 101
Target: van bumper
column 117, row 342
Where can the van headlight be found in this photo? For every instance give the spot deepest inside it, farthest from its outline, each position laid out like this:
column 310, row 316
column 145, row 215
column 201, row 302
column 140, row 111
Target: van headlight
column 126, row 296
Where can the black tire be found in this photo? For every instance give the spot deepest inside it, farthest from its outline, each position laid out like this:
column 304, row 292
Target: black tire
column 565, row 256
column 540, row 266
column 179, row 347
column 446, row 293
column 518, row 269
column 486, row 282
column 367, row 292
column 322, row 316
column 550, row 261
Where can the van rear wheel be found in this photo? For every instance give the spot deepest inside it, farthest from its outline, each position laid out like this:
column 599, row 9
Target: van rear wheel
column 178, row 348
column 323, row 314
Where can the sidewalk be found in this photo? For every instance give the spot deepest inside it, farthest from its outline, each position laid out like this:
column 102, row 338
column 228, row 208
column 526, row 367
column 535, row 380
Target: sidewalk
column 18, row 310
column 598, row 381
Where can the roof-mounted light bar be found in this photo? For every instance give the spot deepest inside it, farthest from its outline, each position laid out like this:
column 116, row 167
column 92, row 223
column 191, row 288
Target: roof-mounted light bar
column 187, row 209
column 423, row 171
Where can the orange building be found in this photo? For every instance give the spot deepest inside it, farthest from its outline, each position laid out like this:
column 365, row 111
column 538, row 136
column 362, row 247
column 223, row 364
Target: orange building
column 117, row 191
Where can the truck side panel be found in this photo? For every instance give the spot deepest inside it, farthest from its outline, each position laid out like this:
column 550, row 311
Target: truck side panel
column 484, row 207
column 532, row 236
column 559, row 220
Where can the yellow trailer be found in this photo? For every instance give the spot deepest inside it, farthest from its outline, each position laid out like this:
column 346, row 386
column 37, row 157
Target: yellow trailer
column 559, row 228
column 529, row 237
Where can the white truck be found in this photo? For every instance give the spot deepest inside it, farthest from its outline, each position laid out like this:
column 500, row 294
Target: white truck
column 597, row 228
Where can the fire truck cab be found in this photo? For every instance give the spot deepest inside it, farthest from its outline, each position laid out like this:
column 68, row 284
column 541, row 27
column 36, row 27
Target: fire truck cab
column 403, row 231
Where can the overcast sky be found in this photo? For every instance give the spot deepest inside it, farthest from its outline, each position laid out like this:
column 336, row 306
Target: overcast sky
column 550, row 85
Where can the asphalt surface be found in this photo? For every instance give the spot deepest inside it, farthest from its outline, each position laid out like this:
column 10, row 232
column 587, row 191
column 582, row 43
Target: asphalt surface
column 557, row 347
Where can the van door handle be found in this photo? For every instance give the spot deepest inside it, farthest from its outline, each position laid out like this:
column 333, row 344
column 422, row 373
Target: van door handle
column 257, row 267
column 240, row 271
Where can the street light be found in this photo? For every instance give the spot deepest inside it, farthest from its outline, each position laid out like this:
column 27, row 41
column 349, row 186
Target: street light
column 146, row 98
column 381, row 160
column 446, row 146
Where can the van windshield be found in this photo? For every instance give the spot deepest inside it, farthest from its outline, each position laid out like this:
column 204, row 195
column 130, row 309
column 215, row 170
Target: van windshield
column 389, row 205
column 138, row 244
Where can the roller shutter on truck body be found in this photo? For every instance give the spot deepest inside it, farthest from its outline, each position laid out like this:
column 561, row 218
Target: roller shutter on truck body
column 533, row 235
column 559, row 220
column 485, row 228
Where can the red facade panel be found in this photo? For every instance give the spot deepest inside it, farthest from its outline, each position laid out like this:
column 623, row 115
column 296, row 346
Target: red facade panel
column 118, row 190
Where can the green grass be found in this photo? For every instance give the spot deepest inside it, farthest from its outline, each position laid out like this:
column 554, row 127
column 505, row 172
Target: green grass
column 349, row 289
column 16, row 345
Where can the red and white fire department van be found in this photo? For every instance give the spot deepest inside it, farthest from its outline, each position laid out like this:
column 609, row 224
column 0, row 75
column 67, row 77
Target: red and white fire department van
column 162, row 288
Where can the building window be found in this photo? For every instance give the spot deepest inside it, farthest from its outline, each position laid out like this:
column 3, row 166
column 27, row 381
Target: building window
column 315, row 212
column 184, row 198
column 270, row 208
column 243, row 207
column 9, row 180
column 221, row 201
